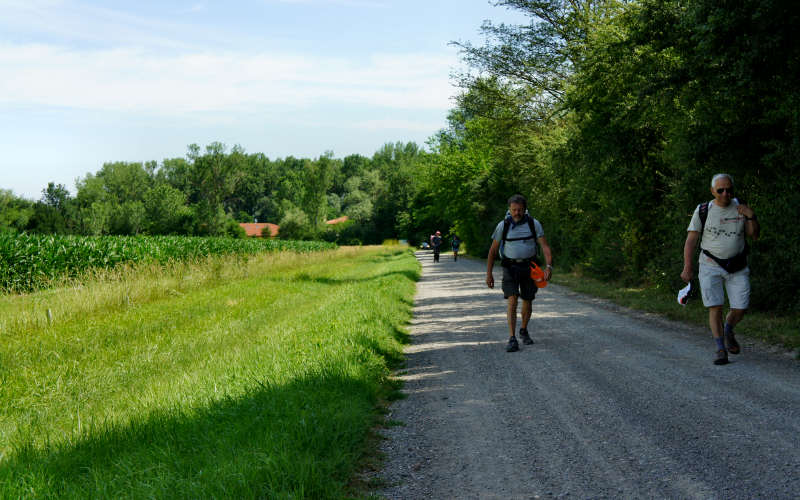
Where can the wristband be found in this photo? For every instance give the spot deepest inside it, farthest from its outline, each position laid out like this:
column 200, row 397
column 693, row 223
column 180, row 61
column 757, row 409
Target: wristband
column 549, row 266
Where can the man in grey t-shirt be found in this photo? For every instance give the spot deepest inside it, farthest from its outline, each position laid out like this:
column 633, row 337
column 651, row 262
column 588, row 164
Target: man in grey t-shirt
column 516, row 251
column 722, row 238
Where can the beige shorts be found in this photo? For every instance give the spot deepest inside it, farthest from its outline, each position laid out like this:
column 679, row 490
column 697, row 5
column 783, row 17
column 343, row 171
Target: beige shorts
column 715, row 282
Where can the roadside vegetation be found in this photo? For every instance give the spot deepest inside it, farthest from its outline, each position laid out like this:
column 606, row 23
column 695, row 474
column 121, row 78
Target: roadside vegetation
column 783, row 330
column 231, row 376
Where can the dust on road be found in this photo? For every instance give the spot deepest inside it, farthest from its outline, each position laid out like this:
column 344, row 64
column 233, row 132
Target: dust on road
column 607, row 403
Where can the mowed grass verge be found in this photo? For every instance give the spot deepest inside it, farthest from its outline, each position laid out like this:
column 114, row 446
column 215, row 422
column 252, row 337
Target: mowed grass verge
column 258, row 377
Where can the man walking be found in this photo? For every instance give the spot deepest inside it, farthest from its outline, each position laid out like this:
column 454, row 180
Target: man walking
column 456, row 245
column 515, row 239
column 721, row 225
column 436, row 241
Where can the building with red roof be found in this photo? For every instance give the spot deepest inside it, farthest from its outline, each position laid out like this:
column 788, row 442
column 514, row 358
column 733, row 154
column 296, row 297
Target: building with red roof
column 256, row 229
column 338, row 220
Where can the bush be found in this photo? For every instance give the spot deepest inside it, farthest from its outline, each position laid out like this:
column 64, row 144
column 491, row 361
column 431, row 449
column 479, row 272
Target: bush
column 295, row 225
column 234, row 230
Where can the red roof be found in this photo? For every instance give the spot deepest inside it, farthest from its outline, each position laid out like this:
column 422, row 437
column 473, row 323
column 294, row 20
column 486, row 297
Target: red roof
column 256, row 229
column 338, row 220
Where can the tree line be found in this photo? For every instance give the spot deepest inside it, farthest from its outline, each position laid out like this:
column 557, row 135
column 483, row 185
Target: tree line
column 210, row 191
column 610, row 116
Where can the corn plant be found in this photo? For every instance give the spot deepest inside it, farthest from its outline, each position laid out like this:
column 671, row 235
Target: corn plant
column 32, row 262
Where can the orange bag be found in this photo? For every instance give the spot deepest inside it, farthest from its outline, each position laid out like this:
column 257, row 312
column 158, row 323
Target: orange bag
column 537, row 275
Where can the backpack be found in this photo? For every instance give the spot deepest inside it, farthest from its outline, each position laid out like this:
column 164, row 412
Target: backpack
column 504, row 238
column 732, row 264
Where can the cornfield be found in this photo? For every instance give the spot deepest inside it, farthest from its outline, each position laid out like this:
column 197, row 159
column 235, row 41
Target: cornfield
column 32, row 262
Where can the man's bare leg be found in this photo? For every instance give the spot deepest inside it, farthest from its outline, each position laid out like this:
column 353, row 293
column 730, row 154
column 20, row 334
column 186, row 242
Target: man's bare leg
column 511, row 314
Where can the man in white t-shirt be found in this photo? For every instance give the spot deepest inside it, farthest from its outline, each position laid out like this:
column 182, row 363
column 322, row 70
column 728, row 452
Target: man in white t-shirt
column 722, row 245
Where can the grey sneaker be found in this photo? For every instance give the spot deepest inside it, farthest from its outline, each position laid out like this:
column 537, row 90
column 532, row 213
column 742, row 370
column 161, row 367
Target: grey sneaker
column 526, row 339
column 721, row 358
column 513, row 345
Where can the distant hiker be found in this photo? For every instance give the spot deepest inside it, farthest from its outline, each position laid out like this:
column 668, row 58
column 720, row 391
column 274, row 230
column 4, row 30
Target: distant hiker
column 515, row 239
column 721, row 225
column 456, row 243
column 436, row 241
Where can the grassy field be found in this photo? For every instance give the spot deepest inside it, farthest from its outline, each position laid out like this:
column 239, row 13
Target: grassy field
column 234, row 377
column 769, row 327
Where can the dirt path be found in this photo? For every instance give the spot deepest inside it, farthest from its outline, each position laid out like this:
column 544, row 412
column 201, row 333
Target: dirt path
column 607, row 403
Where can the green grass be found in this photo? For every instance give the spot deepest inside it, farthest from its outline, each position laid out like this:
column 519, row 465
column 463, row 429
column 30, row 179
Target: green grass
column 766, row 326
column 245, row 378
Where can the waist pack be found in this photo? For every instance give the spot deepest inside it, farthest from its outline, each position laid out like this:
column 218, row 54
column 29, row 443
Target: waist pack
column 732, row 264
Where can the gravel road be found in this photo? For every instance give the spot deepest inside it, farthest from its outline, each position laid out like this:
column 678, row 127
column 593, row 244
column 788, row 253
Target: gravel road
column 608, row 403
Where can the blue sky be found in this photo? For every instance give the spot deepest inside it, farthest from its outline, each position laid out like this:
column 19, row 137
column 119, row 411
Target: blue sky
column 88, row 82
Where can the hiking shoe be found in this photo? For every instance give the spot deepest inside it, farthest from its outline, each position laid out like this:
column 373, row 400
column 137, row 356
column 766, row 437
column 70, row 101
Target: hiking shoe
column 722, row 357
column 526, row 339
column 513, row 345
column 731, row 344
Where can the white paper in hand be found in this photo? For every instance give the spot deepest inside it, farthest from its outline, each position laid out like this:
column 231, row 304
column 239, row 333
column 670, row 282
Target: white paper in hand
column 683, row 294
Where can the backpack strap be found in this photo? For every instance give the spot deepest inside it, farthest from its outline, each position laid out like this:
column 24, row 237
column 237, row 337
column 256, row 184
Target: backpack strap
column 507, row 226
column 702, row 211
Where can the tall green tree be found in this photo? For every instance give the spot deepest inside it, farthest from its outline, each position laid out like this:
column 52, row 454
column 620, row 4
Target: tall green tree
column 93, row 207
column 734, row 79
column 318, row 180
column 15, row 212
column 627, row 109
column 52, row 213
column 55, row 195
column 215, row 176
column 166, row 211
column 398, row 166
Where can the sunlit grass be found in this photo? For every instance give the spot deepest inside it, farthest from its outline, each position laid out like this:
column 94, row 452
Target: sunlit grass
column 234, row 377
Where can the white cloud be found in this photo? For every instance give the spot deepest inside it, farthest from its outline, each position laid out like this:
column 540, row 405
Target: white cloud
column 79, row 22
column 132, row 79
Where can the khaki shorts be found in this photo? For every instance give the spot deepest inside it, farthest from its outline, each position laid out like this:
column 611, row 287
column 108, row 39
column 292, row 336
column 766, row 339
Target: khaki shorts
column 715, row 282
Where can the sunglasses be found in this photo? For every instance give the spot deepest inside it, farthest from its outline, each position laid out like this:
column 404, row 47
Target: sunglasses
column 722, row 190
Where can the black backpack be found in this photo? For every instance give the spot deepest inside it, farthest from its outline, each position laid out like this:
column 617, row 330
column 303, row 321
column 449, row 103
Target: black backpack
column 507, row 226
